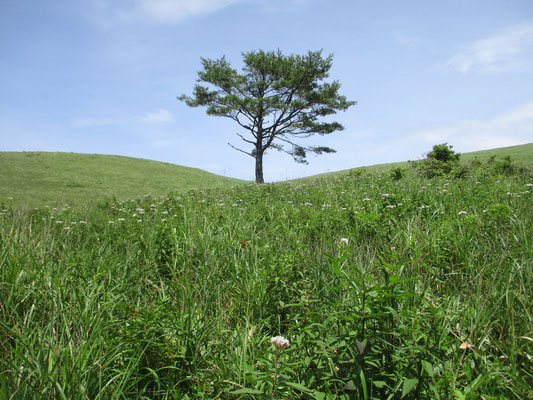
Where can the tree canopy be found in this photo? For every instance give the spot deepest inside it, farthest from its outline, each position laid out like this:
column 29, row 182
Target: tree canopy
column 276, row 100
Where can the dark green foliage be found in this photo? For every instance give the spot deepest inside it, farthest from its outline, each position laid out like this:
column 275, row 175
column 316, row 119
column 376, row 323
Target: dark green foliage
column 276, row 100
column 504, row 166
column 441, row 161
column 397, row 173
column 443, row 153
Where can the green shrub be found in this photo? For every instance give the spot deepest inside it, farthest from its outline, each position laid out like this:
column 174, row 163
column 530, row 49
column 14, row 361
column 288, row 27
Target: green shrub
column 397, row 174
column 441, row 161
column 504, row 166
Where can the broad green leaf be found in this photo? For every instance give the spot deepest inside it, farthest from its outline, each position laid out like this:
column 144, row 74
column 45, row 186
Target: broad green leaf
column 319, row 395
column 349, row 386
column 361, row 346
column 428, row 367
column 408, row 385
column 246, row 391
column 299, row 387
column 363, row 382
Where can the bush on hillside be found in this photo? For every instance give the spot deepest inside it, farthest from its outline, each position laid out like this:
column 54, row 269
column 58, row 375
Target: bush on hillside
column 441, row 161
column 397, row 173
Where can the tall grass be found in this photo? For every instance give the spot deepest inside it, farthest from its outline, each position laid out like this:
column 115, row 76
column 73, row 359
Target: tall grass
column 427, row 295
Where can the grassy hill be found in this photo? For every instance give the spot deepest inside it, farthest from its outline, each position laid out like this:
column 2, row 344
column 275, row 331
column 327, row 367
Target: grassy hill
column 520, row 155
column 39, row 178
column 414, row 288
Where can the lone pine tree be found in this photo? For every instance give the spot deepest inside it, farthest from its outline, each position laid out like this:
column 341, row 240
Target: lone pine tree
column 277, row 99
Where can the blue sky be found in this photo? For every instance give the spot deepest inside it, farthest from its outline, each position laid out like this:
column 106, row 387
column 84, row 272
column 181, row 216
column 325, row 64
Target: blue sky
column 102, row 76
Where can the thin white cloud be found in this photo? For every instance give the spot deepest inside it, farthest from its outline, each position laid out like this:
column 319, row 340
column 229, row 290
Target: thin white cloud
column 178, row 10
column 510, row 128
column 510, row 49
column 90, row 122
column 107, row 13
column 156, row 117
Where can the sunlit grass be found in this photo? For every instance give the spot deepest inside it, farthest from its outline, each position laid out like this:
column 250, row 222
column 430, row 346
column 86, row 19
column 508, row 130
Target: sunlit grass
column 42, row 178
column 413, row 288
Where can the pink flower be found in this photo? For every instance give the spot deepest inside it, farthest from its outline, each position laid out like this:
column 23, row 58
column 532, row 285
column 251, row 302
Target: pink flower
column 279, row 341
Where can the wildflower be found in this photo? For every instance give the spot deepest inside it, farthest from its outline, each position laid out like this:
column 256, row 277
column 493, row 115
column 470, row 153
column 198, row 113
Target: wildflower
column 121, row 219
column 529, row 184
column 251, row 332
column 83, row 222
column 345, row 241
column 391, row 206
column 366, row 199
column 164, row 213
column 462, row 213
column 66, row 228
column 110, row 222
column 466, row 346
column 243, row 243
column 139, row 221
column 59, row 222
column 279, row 341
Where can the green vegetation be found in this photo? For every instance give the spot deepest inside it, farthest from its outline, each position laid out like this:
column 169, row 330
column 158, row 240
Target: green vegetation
column 40, row 178
column 441, row 161
column 387, row 286
column 521, row 155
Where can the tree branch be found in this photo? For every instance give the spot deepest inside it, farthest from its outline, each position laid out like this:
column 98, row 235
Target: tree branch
column 246, row 140
column 242, row 151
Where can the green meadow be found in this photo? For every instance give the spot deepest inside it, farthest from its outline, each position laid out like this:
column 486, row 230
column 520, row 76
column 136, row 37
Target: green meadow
column 42, row 178
column 386, row 283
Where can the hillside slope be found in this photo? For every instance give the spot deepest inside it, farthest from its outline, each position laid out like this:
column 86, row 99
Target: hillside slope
column 42, row 178
column 520, row 155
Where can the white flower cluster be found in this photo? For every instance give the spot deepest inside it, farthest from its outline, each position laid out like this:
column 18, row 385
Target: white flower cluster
column 279, row 341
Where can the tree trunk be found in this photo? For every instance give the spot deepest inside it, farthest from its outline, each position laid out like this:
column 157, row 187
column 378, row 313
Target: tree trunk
column 259, row 167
